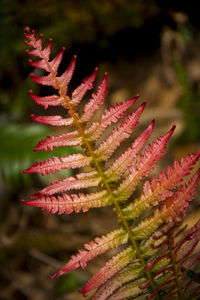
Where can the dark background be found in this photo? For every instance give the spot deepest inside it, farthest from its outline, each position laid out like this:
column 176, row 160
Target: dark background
column 147, row 46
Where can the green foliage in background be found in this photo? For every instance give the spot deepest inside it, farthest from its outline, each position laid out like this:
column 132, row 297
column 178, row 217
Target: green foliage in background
column 16, row 151
column 189, row 104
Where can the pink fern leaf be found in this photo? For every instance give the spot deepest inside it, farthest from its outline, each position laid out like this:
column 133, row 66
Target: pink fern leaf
column 121, row 164
column 81, row 90
column 52, row 120
column 81, row 181
column 48, row 80
column 110, row 116
column 56, row 164
column 143, row 166
column 113, row 266
column 62, row 140
column 53, row 100
column 119, row 134
column 97, row 99
column 70, row 203
column 94, row 248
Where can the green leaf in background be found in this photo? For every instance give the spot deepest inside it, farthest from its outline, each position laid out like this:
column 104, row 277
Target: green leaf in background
column 16, row 151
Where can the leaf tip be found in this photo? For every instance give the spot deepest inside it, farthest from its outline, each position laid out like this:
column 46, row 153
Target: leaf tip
column 27, row 171
column 170, row 132
column 26, row 202
column 57, row 274
column 27, row 32
column 152, row 124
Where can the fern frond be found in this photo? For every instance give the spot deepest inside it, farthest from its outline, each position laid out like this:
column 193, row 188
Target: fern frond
column 146, row 265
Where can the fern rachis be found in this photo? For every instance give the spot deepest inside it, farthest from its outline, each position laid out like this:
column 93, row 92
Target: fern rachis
column 138, row 270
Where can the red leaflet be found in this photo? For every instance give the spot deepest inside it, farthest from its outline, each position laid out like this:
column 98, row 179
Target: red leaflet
column 47, row 101
column 70, row 203
column 56, row 164
column 81, row 181
column 65, row 78
column 96, row 100
column 121, row 133
column 65, row 139
column 110, row 116
column 81, row 90
column 122, row 163
column 52, row 120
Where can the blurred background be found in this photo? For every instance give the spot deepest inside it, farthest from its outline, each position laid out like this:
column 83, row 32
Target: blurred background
column 151, row 47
